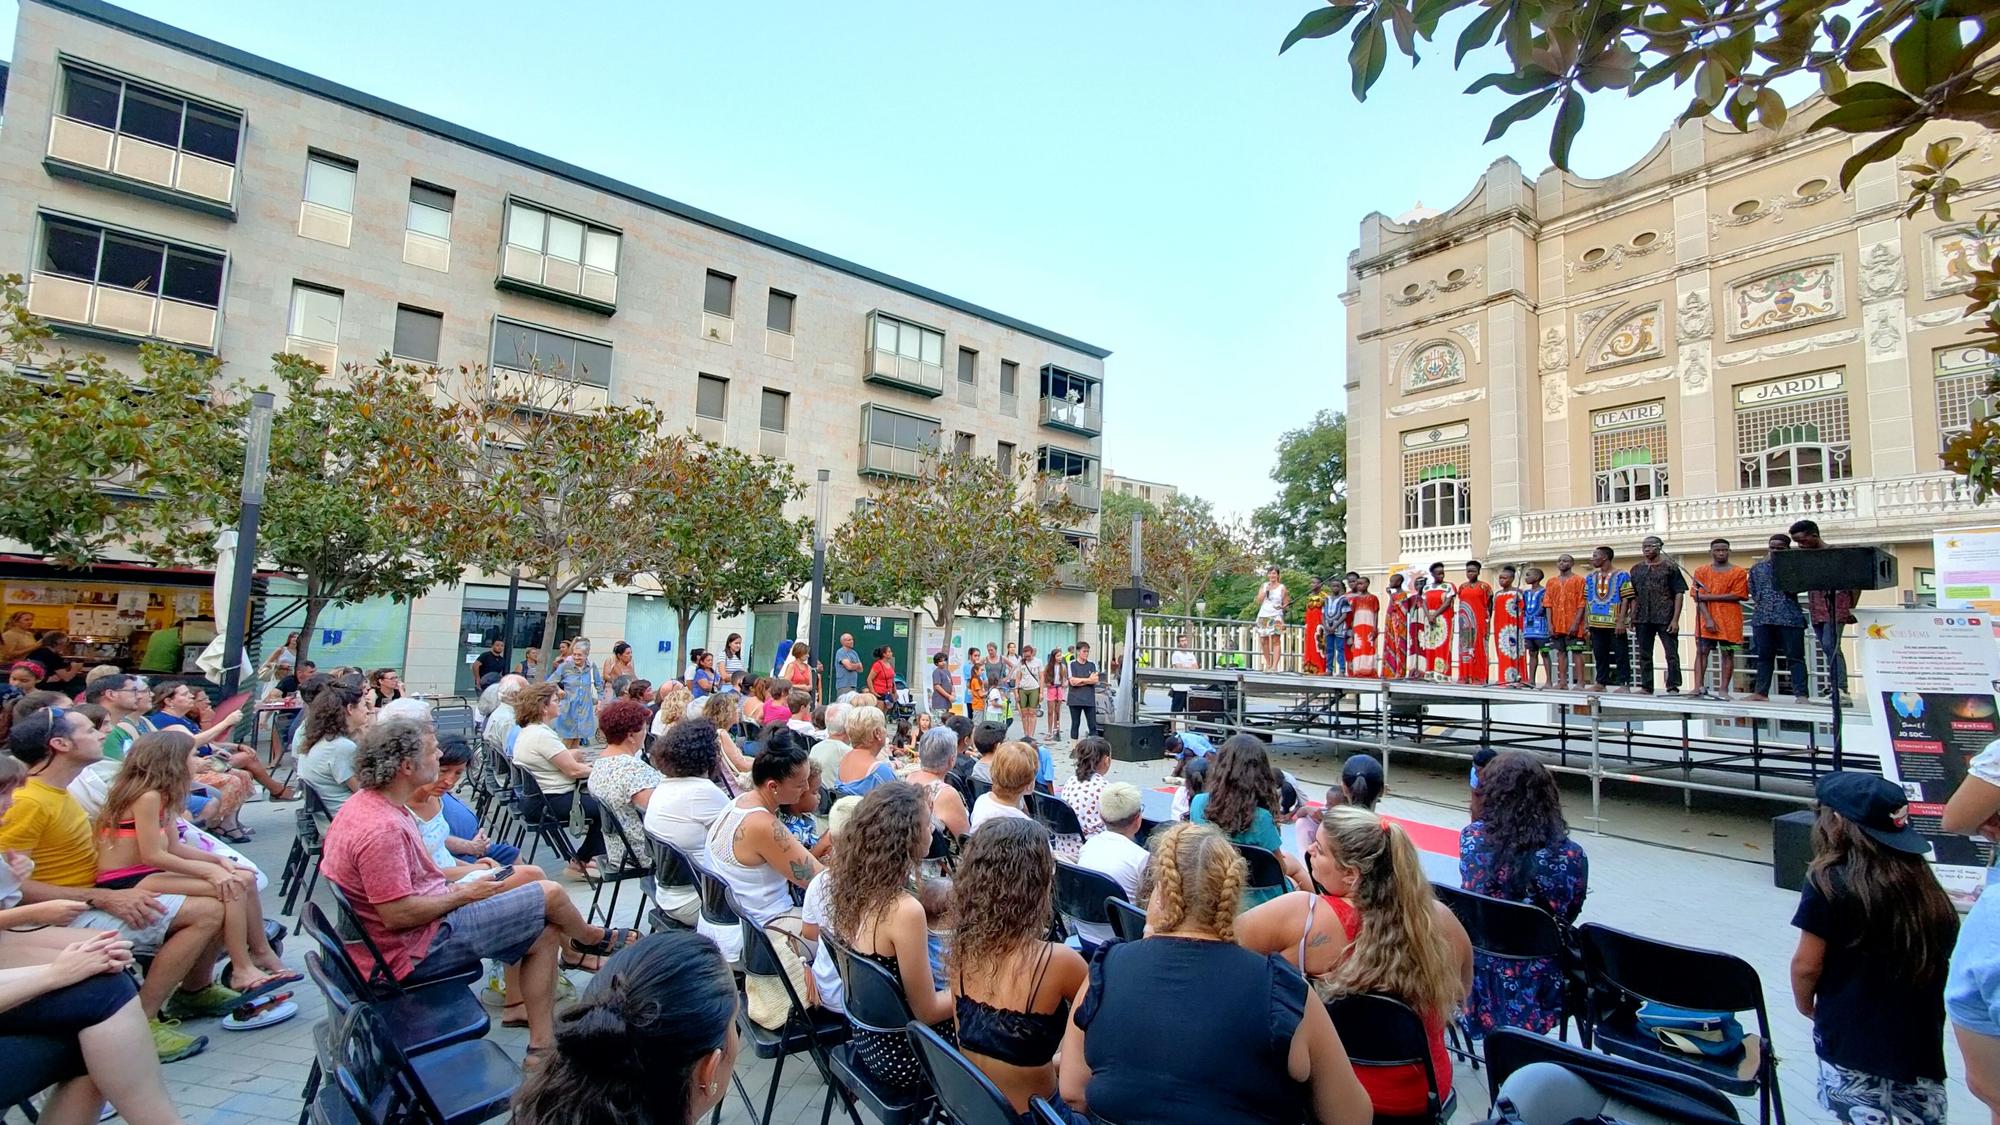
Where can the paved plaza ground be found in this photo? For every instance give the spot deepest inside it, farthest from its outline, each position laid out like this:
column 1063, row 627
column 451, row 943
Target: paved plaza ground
column 1699, row 878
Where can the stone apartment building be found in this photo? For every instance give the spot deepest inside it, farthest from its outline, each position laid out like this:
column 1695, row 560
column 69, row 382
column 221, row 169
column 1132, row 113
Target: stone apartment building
column 168, row 187
column 1715, row 341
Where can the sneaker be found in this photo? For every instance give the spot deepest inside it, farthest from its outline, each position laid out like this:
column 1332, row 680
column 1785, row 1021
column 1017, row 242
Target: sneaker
column 172, row 1045
column 215, row 1000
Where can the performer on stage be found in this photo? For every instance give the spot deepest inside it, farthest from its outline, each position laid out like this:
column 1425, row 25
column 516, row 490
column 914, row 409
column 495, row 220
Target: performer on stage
column 1720, row 588
column 1272, row 601
column 1395, row 629
column 1474, row 626
column 1312, row 653
column 1439, row 602
column 1362, row 637
column 1535, row 635
column 1340, row 625
column 1567, row 631
column 1509, row 614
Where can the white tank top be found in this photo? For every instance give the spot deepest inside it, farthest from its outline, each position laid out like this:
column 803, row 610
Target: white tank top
column 761, row 893
column 1272, row 606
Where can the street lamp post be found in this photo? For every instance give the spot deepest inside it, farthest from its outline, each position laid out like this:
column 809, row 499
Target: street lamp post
column 819, row 563
column 256, row 466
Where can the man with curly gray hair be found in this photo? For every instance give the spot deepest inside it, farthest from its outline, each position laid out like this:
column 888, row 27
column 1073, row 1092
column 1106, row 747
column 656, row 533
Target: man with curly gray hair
column 427, row 927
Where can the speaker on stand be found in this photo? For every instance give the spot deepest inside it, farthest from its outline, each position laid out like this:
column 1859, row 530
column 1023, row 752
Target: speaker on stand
column 1828, row 571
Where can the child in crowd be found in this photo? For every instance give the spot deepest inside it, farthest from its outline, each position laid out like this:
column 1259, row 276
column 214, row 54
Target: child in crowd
column 139, row 846
column 1194, row 779
column 935, row 895
column 1339, row 624
column 1535, row 633
column 1875, row 939
column 799, row 816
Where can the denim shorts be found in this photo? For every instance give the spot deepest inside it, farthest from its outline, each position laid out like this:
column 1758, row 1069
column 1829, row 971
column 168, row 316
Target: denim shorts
column 503, row 928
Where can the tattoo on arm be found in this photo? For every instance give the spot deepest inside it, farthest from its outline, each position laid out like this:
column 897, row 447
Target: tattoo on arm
column 801, row 872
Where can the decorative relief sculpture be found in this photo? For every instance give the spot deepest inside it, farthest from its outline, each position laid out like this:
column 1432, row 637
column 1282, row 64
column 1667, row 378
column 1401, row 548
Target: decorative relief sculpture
column 1552, row 349
column 1885, row 336
column 1429, row 290
column 1434, row 365
column 1954, row 254
column 1614, row 256
column 1693, row 320
column 1881, row 271
column 1639, row 335
column 1623, row 382
column 1588, row 320
column 1694, row 367
column 1469, row 332
column 1424, row 405
column 1555, row 394
column 1796, row 294
column 1773, row 208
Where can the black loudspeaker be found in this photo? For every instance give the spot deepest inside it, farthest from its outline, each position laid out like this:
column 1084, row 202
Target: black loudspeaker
column 1834, row 568
column 1791, row 845
column 1134, row 597
column 1137, row 742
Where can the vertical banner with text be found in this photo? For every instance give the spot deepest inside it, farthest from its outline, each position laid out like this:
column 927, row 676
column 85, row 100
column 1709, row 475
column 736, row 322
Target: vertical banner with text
column 1933, row 683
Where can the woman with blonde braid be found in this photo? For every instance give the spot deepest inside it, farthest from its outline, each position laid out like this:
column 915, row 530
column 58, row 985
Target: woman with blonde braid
column 1268, row 1051
column 1372, row 926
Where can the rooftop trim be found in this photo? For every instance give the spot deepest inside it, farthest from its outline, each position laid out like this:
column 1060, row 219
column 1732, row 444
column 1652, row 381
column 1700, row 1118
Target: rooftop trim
column 168, row 35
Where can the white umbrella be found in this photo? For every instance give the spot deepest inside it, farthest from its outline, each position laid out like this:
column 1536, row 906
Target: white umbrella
column 210, row 660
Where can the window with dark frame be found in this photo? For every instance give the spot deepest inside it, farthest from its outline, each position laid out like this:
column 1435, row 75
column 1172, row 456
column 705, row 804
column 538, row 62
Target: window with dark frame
column 711, row 397
column 968, row 366
column 719, row 294
column 778, row 312
column 525, row 347
column 772, row 410
column 330, row 182
column 1010, row 376
column 430, row 210
column 1004, row 454
column 418, row 332
column 102, row 256
column 150, row 114
column 315, row 313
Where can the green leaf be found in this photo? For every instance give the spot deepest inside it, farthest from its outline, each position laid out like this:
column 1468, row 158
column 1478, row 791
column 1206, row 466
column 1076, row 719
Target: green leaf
column 1479, row 32
column 1864, row 117
column 1873, row 92
column 1318, row 24
column 1367, row 57
column 1867, row 58
column 1520, row 111
column 1771, row 112
column 1569, row 122
column 1882, row 149
column 1710, row 83
column 1655, row 74
column 1526, row 81
column 1925, row 53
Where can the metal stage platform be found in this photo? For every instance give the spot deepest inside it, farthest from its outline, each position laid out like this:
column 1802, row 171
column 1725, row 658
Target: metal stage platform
column 1771, row 750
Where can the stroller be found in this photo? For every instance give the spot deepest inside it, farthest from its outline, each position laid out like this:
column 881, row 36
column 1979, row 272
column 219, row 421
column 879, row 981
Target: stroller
column 902, row 704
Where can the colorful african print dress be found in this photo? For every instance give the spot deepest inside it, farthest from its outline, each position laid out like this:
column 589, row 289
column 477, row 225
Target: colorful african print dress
column 1363, row 635
column 1395, row 635
column 1473, row 626
column 1508, row 618
column 1314, row 655
column 1434, row 634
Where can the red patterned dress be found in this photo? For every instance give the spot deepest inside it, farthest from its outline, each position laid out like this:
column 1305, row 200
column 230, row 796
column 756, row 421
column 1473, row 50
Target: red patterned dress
column 1474, row 630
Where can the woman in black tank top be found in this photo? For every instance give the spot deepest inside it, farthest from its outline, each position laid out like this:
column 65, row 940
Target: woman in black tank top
column 1013, row 988
column 1267, row 1050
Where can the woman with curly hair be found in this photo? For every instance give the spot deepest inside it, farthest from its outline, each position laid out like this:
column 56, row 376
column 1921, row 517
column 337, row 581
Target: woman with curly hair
column 1519, row 850
column 1013, row 988
column 335, row 718
column 685, row 802
column 878, row 917
column 1383, row 931
column 1267, row 1049
column 724, row 710
column 652, row 1039
column 1240, row 797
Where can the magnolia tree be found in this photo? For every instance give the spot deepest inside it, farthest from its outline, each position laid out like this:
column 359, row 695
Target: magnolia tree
column 1306, row 524
column 329, row 517
column 724, row 543
column 965, row 534
column 92, row 458
column 1184, row 551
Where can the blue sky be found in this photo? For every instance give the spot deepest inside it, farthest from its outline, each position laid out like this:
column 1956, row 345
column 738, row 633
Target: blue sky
column 1151, row 177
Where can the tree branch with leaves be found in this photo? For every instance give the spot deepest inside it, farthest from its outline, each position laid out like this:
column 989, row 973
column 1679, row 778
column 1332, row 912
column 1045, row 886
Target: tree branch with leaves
column 1185, row 550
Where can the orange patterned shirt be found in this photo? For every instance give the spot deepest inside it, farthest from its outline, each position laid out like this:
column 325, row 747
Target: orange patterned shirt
column 1565, row 600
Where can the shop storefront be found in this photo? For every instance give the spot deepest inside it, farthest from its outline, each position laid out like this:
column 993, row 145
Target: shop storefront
column 128, row 614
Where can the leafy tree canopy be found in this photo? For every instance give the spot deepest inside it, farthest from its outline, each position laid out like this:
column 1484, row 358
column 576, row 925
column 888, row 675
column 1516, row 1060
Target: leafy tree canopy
column 1307, row 523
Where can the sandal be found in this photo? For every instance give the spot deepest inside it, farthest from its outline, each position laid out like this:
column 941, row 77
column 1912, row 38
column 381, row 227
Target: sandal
column 514, row 1021
column 585, row 962
column 612, row 941
column 288, row 793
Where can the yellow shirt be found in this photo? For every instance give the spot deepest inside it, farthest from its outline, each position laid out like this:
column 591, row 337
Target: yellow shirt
column 48, row 824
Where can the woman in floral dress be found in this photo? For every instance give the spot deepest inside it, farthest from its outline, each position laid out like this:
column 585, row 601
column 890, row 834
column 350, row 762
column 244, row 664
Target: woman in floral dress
column 1519, row 850
column 1395, row 629
column 582, row 685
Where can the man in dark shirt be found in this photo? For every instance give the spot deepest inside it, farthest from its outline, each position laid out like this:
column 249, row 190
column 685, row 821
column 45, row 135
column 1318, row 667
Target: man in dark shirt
column 1775, row 624
column 1832, row 610
column 941, row 693
column 1657, row 590
column 1082, row 691
column 492, row 662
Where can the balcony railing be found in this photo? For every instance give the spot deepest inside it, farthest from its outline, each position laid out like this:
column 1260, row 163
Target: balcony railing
column 1425, row 545
column 122, row 312
column 905, row 372
column 1861, row 507
column 170, row 173
column 1072, row 576
column 1086, row 418
column 1084, row 494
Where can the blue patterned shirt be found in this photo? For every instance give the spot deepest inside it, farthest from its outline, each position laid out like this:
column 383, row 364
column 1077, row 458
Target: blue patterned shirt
column 1770, row 605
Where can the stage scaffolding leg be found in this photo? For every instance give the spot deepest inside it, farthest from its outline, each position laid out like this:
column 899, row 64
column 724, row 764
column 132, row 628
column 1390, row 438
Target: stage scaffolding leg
column 1596, row 771
column 1382, row 712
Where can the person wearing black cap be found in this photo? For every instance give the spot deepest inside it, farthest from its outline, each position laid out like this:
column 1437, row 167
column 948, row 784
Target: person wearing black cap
column 1875, row 938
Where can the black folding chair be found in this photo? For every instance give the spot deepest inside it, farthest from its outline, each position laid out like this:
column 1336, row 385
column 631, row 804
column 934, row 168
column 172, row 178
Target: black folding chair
column 875, row 1003
column 301, row 872
column 1382, row 1031
column 461, row 1084
column 1054, row 814
column 672, row 870
column 1080, row 896
column 1626, row 968
column 966, row 1094
column 378, row 979
column 631, row 865
column 419, row 1022
column 531, row 805
column 978, row 788
column 1516, row 932
column 1676, row 1097
column 1267, row 873
column 815, row 1031
column 1046, row 1114
column 1127, row 920
column 716, row 907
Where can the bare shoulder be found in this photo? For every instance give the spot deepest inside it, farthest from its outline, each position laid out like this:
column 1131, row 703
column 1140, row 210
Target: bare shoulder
column 1274, row 926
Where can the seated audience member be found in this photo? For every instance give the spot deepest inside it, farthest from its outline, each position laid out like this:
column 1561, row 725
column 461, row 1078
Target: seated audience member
column 777, row 708
column 674, row 698
column 936, row 751
column 60, row 673
column 1012, row 987
column 465, row 841
column 1268, row 1050
column 1241, row 798
column 138, row 846
column 817, row 913
column 653, row 1038
column 337, row 716
column 1381, row 930
column 861, row 768
column 623, row 782
column 800, row 703
column 501, row 725
column 386, row 686
column 749, row 848
column 724, row 711
column 1519, row 849
column 1093, row 773
column 458, row 856
column 427, row 927
column 1361, row 783
column 70, row 1016
column 986, row 740
column 556, row 768
column 1115, row 851
column 1194, row 779
column 47, row 824
column 685, row 802
column 877, row 916
column 1013, row 775
column 831, row 749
